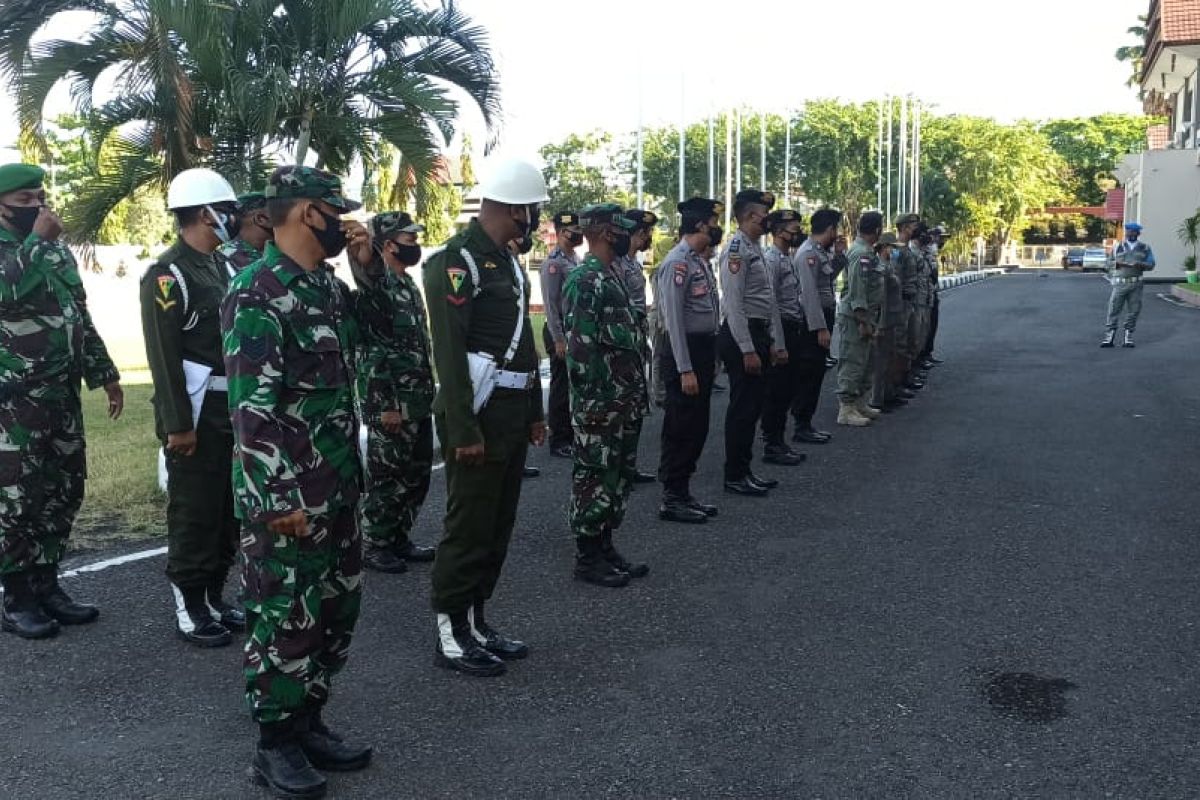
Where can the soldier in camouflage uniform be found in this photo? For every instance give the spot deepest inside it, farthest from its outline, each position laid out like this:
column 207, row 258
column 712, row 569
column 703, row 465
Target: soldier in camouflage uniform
column 289, row 340
column 605, row 351
column 48, row 344
column 908, row 271
column 635, row 284
column 181, row 297
column 395, row 391
column 254, row 231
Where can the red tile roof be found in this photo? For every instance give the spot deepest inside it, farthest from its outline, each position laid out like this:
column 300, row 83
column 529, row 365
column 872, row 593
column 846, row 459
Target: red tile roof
column 1180, row 21
column 1114, row 205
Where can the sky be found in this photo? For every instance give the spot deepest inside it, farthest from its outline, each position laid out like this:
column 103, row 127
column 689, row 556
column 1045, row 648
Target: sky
column 573, row 67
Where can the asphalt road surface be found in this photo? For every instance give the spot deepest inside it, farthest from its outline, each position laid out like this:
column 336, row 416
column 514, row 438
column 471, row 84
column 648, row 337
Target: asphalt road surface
column 989, row 594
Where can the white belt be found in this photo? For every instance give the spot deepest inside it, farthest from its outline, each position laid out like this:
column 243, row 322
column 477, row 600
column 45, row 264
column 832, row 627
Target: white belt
column 515, row 380
column 218, row 383
column 1134, row 279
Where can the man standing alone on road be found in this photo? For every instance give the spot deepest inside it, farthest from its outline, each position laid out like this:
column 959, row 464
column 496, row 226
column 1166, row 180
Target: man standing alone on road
column 1131, row 260
column 48, row 344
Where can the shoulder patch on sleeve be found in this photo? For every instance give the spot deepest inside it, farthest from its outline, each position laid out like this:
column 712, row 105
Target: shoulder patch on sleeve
column 456, row 275
column 812, row 261
column 165, row 284
column 735, row 245
column 735, row 265
column 865, row 261
column 455, row 300
column 254, row 348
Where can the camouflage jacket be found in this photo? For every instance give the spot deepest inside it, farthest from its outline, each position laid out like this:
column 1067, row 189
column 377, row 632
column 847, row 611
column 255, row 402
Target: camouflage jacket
column 604, row 346
column 237, row 255
column 866, row 290
column 289, row 338
column 394, row 370
column 47, row 339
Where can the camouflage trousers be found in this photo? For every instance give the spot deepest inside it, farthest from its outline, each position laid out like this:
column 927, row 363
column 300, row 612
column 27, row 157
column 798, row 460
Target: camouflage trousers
column 601, row 478
column 397, row 481
column 303, row 597
column 42, row 470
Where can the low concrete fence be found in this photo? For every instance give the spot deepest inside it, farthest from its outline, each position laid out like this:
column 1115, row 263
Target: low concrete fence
column 962, row 278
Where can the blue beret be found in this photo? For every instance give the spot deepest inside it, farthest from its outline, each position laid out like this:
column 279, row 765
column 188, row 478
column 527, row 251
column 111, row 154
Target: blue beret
column 1133, row 226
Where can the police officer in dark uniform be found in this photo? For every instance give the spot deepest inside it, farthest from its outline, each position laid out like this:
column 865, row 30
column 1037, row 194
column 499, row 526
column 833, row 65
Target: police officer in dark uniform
column 685, row 292
column 750, row 340
column 554, row 271
column 635, row 284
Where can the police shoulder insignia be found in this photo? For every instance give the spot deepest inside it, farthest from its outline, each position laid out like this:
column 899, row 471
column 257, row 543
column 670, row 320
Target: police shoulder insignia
column 812, row 261
column 456, row 275
column 735, row 265
column 735, row 245
column 552, row 269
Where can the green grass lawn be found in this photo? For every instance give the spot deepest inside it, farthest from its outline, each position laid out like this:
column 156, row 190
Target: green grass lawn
column 1191, row 287
column 122, row 500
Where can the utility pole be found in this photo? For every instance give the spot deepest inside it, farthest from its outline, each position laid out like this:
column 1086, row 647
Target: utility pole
column 728, row 165
column 682, row 135
column 888, row 215
column 787, row 161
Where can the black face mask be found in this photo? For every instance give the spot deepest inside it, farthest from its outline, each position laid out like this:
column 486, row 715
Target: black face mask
column 23, row 217
column 407, row 254
column 715, row 234
column 524, row 244
column 574, row 239
column 622, row 244
column 228, row 226
column 331, row 238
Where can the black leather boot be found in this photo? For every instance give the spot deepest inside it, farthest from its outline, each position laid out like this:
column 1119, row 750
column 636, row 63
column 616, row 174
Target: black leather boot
column 231, row 616
column 23, row 614
column 194, row 620
column 458, row 650
column 383, row 558
column 491, row 639
column 281, row 765
column 327, row 750
column 706, row 509
column 417, row 553
column 57, row 603
column 676, row 508
column 614, row 557
column 592, row 567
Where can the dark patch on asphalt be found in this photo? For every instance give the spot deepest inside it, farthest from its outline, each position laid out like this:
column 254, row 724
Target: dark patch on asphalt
column 1029, row 697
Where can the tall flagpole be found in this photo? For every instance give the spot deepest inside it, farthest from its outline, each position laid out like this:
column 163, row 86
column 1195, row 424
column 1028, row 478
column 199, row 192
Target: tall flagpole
column 640, row 175
column 739, row 149
column 889, row 160
column 712, row 157
column 728, row 165
column 787, row 161
column 916, row 165
column 902, row 204
column 879, row 156
column 762, row 151
column 682, row 135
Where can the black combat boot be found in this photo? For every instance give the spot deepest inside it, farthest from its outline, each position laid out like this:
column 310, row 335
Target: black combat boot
column 23, row 614
column 592, row 567
column 194, row 620
column 281, row 765
column 231, row 616
column 457, row 649
column 676, row 508
column 614, row 557
column 491, row 639
column 706, row 509
column 327, row 750
column 644, row 477
column 383, row 558
column 416, row 553
column 57, row 603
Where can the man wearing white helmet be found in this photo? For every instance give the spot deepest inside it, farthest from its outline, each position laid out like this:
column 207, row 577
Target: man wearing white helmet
column 488, row 410
column 181, row 299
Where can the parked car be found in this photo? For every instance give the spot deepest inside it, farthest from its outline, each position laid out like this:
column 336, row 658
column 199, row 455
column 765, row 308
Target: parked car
column 1095, row 258
column 1073, row 258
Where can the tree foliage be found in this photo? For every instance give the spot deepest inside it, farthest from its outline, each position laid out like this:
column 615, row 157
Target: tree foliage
column 240, row 84
column 1092, row 147
column 574, row 171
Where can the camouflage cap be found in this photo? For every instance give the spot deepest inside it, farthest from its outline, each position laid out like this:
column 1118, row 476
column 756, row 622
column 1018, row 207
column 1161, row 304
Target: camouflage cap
column 606, row 214
column 14, row 177
column 387, row 224
column 643, row 219
column 251, row 201
column 311, row 183
column 907, row 219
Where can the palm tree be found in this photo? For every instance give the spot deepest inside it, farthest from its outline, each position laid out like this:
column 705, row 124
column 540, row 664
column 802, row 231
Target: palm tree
column 1135, row 53
column 239, row 84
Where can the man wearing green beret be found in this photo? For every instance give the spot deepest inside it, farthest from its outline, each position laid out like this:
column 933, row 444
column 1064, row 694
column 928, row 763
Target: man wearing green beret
column 253, row 233
column 605, row 359
column 289, row 345
column 48, row 345
column 395, row 392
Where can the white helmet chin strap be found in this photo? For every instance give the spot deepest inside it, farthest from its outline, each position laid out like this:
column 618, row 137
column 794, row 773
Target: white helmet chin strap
column 220, row 229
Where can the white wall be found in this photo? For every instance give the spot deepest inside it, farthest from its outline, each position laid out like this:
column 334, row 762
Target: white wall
column 1164, row 187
